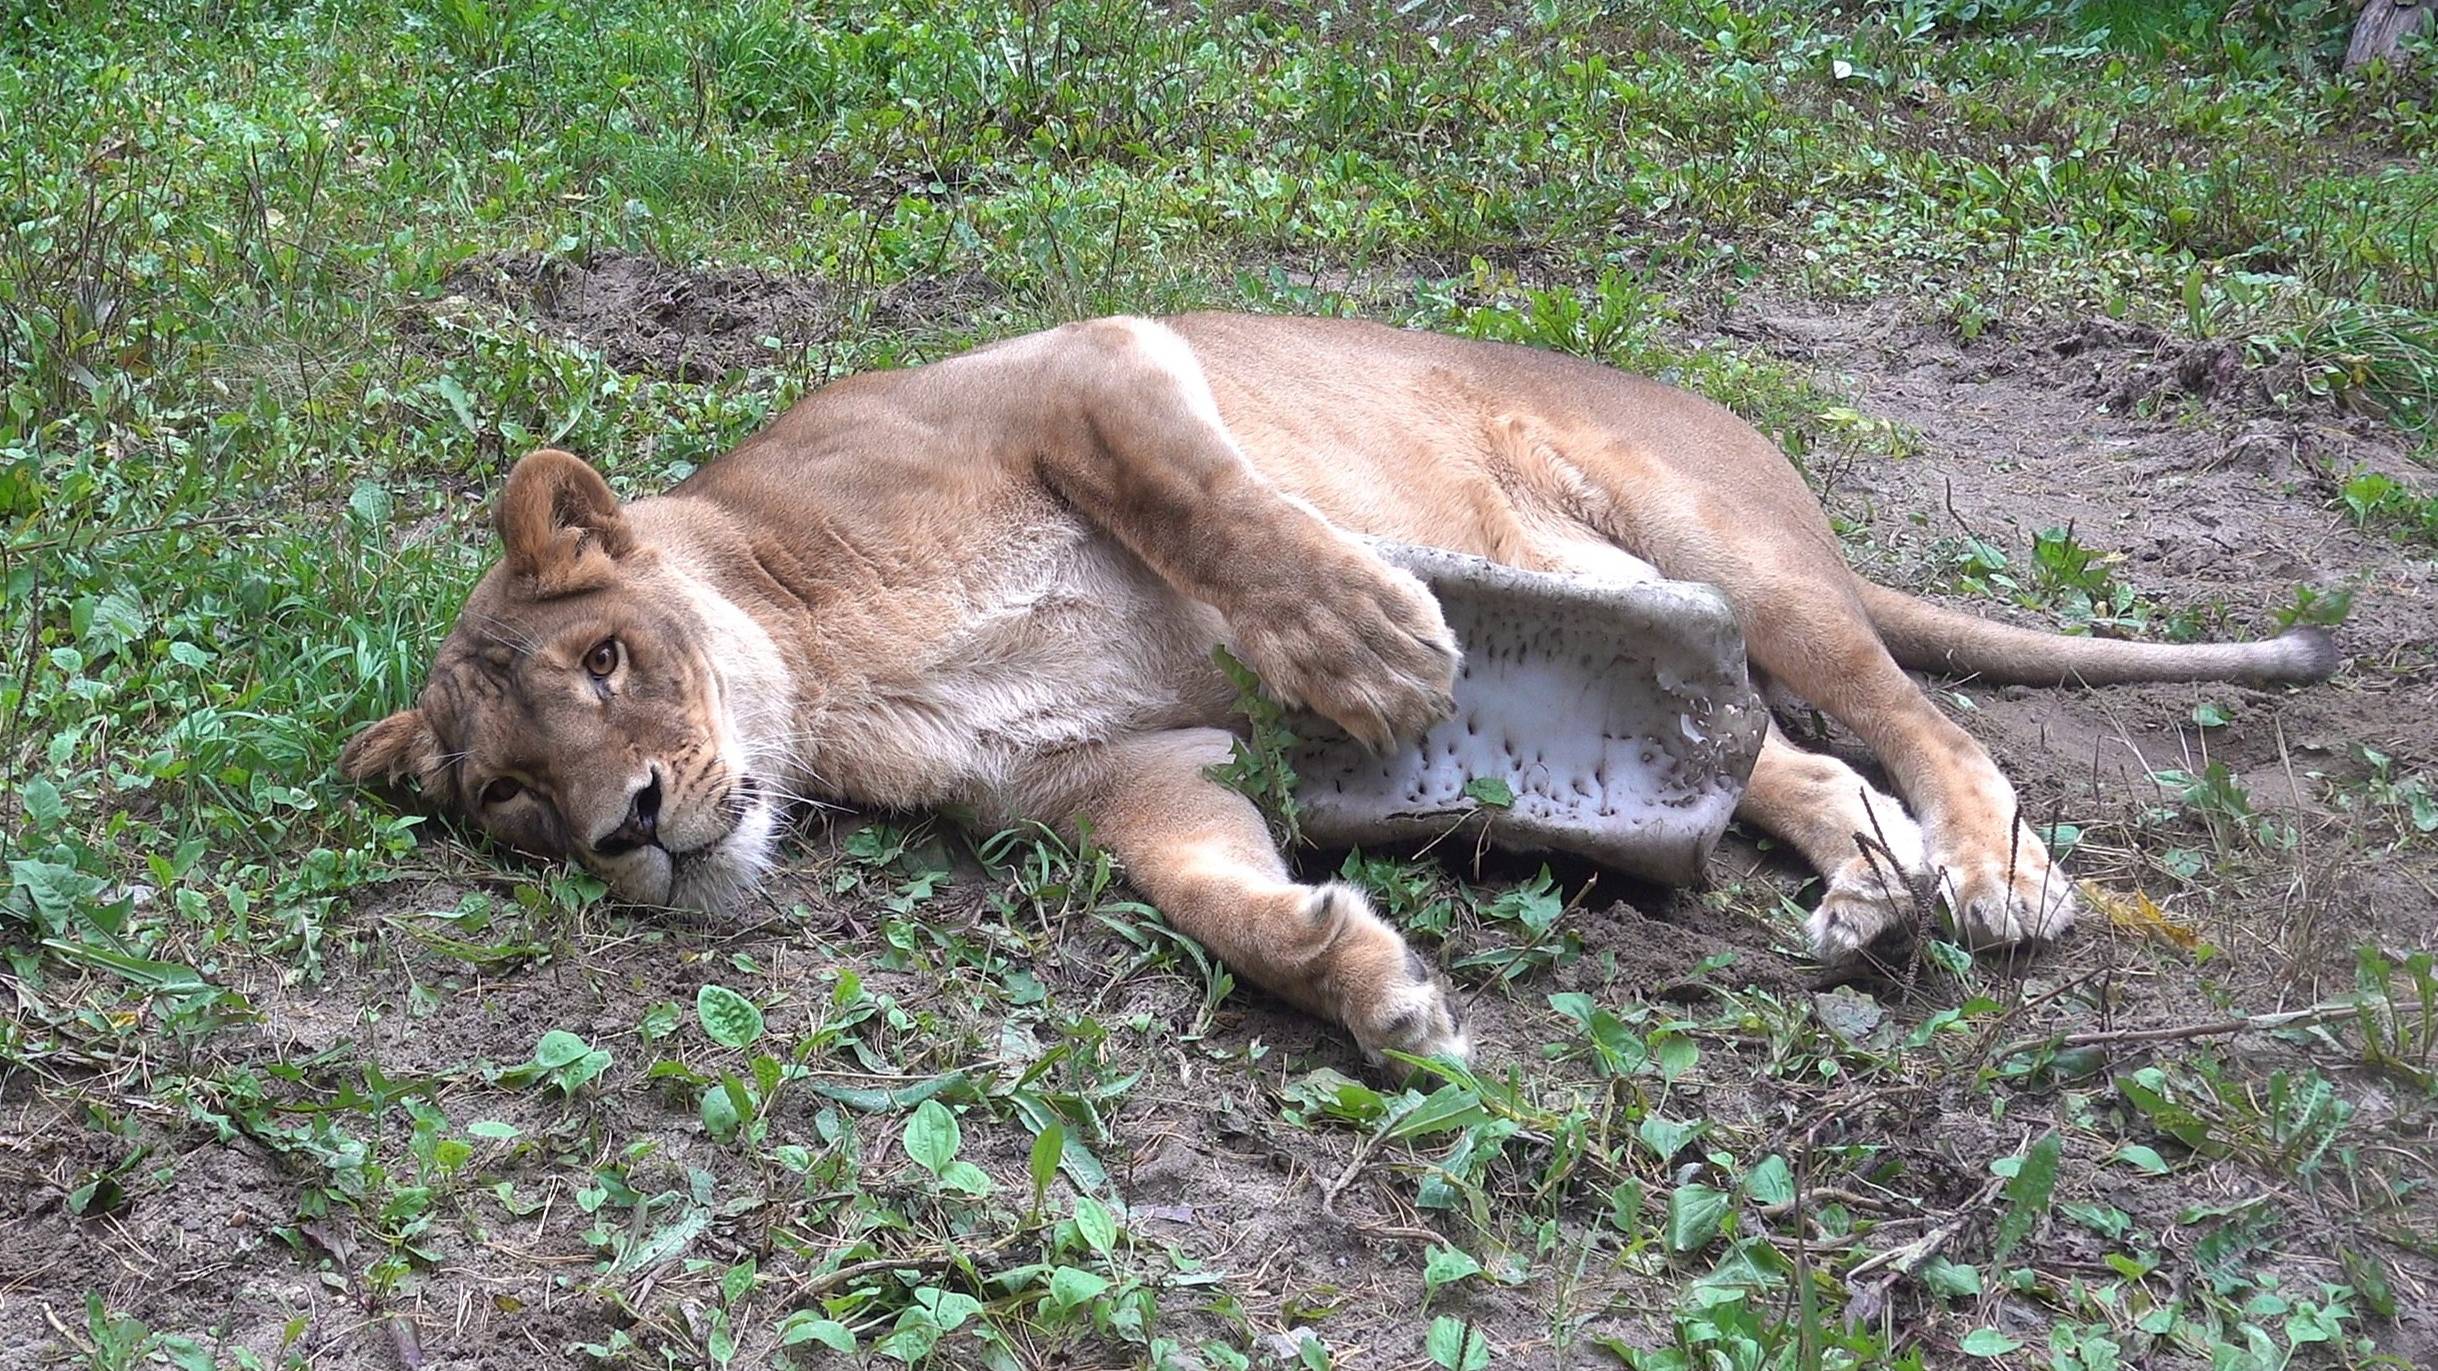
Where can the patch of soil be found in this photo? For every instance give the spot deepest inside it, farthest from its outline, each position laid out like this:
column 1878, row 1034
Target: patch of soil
column 2220, row 505
column 648, row 317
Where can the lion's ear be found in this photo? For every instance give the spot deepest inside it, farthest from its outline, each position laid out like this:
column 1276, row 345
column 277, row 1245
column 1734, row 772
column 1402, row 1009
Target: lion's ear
column 561, row 524
column 392, row 750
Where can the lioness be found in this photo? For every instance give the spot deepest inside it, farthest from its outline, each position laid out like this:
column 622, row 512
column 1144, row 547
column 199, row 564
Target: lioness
column 994, row 583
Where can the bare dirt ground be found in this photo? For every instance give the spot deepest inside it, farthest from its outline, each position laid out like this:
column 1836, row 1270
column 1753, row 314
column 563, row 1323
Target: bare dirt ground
column 2219, row 506
column 646, row 316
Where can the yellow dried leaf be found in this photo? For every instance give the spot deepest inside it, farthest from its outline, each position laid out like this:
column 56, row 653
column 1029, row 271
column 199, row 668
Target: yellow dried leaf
column 2138, row 913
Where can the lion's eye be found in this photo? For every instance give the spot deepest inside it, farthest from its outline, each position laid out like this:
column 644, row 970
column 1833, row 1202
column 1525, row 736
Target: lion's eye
column 501, row 791
column 603, row 659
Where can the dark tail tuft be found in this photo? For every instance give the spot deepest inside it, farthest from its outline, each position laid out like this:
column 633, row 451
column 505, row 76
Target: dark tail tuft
column 2309, row 654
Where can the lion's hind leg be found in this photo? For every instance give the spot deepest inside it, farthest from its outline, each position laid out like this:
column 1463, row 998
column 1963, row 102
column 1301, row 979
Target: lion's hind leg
column 1704, row 497
column 1203, row 855
column 1995, row 876
column 1804, row 627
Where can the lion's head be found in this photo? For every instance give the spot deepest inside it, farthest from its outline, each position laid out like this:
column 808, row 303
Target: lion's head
column 597, row 699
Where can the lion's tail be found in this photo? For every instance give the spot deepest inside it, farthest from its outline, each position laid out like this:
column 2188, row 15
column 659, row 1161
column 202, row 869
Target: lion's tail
column 1926, row 637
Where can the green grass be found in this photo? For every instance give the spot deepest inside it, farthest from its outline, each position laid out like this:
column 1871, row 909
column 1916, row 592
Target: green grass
column 243, row 454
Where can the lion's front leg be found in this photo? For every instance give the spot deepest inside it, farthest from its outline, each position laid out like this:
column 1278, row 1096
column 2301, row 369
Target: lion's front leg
column 1116, row 416
column 1202, row 854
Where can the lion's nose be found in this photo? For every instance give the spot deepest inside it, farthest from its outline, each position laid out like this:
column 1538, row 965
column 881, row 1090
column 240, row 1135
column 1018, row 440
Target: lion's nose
column 642, row 825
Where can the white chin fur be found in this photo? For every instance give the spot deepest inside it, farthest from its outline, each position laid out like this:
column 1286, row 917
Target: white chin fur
column 721, row 877
column 709, row 881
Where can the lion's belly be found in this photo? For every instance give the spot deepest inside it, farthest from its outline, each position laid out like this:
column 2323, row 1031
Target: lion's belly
column 1057, row 639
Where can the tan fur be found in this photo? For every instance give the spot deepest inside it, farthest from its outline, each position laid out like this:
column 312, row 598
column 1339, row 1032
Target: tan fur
column 993, row 584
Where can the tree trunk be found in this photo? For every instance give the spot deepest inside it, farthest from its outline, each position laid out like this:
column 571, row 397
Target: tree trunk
column 2384, row 25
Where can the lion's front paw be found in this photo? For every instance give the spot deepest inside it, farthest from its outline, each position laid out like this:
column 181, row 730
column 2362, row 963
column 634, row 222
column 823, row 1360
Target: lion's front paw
column 1387, row 995
column 1417, row 1016
column 1359, row 642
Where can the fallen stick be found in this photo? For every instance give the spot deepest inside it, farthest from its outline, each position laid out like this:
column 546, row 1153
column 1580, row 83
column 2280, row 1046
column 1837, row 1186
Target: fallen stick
column 1373, row 1228
column 2245, row 1023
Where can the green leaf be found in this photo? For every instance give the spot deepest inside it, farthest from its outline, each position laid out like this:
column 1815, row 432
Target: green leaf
column 1454, row 1179
column 1446, row 1266
column 1575, row 1005
column 42, row 803
column 1954, row 960
column 949, row 1309
column 912, row 1339
column 582, row 1069
column 1456, row 1345
column 1665, row 1136
column 2311, row 1324
column 186, row 1354
column 669, row 1240
column 1695, row 1216
column 658, row 1022
column 1989, row 1342
column 1047, row 1145
column 58, row 892
column 1338, row 1095
column 1675, row 1053
column 460, row 403
column 804, row 1326
column 558, row 1048
column 2369, row 1276
column 965, row 1178
column 492, row 1129
column 932, row 1137
column 162, row 978
column 1071, row 1286
column 1094, row 1222
column 1074, row 1158
column 2106, row 1220
column 2027, row 1194
column 871, row 1101
column 369, row 502
column 119, row 615
column 99, row 1195
column 2144, row 1159
column 1770, row 1181
column 1448, row 1109
column 2168, row 1117
column 1951, row 1280
column 1625, row 1206
column 730, row 1018
column 2131, row 1268
column 1620, row 1049
column 1951, row 1017
column 1537, row 904
column 719, row 1111
column 1849, row 1013
column 1490, row 792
